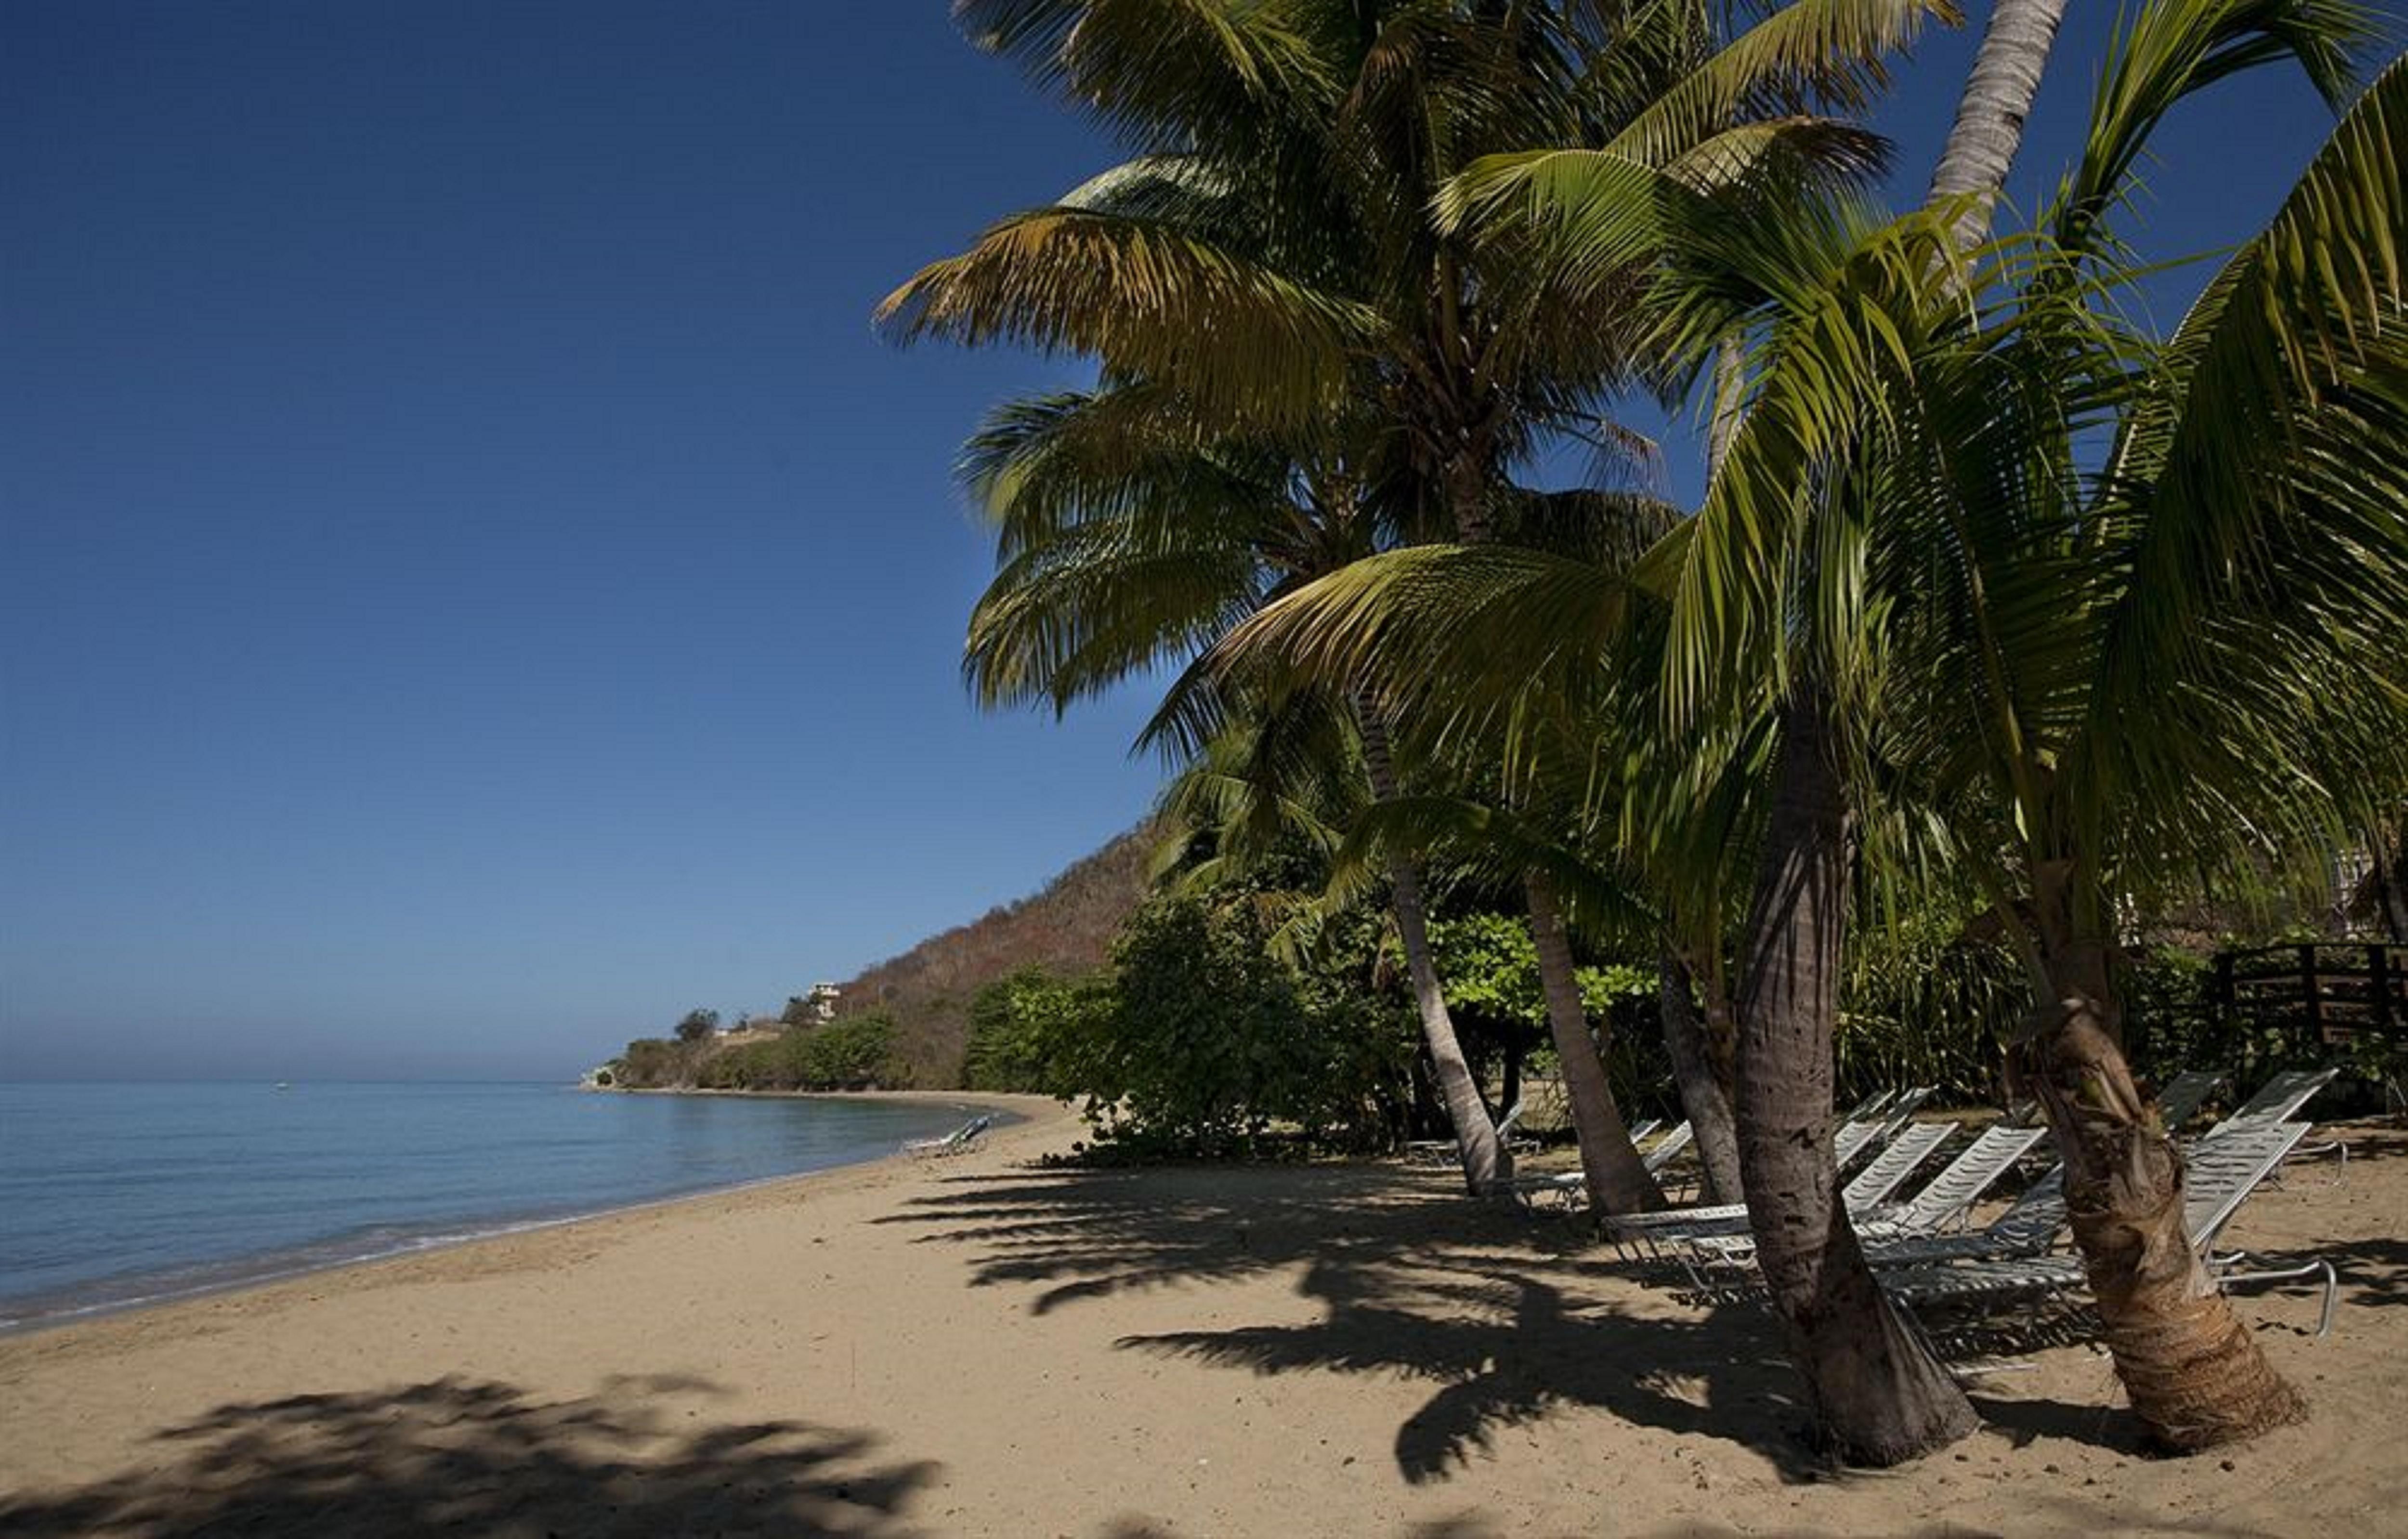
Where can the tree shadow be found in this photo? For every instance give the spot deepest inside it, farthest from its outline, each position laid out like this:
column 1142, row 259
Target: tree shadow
column 472, row 1456
column 1499, row 1315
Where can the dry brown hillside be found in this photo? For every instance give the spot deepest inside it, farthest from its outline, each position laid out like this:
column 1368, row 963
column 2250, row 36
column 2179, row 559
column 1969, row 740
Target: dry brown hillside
column 1066, row 928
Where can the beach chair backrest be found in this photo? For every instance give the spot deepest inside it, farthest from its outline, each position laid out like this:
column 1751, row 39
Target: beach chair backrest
column 1961, row 1183
column 1505, row 1124
column 1669, row 1149
column 1871, row 1106
column 1897, row 1114
column 2219, row 1173
column 1645, row 1127
column 1854, row 1139
column 1880, row 1178
column 2032, row 1219
column 2180, row 1100
column 2278, row 1100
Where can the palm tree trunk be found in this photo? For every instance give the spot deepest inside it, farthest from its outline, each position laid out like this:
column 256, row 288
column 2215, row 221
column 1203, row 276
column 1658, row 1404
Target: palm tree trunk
column 2193, row 1371
column 1990, row 126
column 1484, row 1160
column 1878, row 1394
column 1699, row 1072
column 1617, row 1179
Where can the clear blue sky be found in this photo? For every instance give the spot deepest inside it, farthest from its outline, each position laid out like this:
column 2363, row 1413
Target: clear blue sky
column 473, row 587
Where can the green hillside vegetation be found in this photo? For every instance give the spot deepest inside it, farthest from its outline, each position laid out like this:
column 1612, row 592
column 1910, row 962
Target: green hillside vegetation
column 904, row 1023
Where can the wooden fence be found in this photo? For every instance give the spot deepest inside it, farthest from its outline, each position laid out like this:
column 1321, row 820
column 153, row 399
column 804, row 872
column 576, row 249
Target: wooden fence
column 2320, row 992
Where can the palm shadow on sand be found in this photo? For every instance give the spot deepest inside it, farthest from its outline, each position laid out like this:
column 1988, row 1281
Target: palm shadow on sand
column 468, row 1456
column 1485, row 1306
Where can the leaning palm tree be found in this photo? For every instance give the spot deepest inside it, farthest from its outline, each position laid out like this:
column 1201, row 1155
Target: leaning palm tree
column 1529, row 837
column 2174, row 665
column 1131, row 538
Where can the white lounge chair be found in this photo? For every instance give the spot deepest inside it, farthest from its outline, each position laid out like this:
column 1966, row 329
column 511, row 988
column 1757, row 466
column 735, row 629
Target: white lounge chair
column 2030, row 1225
column 1876, row 1182
column 2182, row 1096
column 960, row 1140
column 1446, row 1151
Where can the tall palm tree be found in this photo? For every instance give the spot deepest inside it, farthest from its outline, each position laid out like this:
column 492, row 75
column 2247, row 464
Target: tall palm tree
column 1267, row 253
column 2177, row 667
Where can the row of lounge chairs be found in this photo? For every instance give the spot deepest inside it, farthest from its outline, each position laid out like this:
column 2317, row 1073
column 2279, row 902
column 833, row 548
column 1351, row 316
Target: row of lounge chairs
column 1925, row 1254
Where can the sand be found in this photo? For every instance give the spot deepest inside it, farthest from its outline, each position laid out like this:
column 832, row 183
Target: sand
column 981, row 1346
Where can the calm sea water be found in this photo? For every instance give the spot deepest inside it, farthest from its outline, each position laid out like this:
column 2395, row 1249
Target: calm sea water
column 117, row 1194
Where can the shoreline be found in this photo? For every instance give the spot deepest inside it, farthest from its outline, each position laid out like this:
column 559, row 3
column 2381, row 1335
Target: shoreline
column 1014, row 1113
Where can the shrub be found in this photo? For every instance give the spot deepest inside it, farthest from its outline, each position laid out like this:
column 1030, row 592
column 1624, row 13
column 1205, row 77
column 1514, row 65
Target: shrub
column 1016, row 1024
column 1202, row 1042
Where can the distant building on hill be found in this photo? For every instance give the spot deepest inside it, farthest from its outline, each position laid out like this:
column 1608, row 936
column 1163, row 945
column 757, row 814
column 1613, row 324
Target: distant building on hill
column 821, row 999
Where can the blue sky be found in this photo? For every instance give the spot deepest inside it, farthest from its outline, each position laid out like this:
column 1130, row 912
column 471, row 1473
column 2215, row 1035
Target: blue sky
column 472, row 585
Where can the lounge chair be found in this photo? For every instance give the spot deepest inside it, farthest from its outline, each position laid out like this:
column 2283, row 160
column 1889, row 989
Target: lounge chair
column 1874, row 1183
column 2029, row 1227
column 2218, row 1175
column 2279, row 1099
column 1446, row 1151
column 2177, row 1103
column 1946, row 1198
column 1897, row 1114
column 1669, row 1149
column 960, row 1140
column 1563, row 1189
column 2183, row 1094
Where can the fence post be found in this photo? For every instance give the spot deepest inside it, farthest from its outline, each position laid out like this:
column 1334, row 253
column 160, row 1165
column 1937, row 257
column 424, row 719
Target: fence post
column 2312, row 995
column 2378, row 973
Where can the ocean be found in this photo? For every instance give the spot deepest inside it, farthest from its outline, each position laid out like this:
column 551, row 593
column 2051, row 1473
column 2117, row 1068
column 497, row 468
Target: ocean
column 113, row 1194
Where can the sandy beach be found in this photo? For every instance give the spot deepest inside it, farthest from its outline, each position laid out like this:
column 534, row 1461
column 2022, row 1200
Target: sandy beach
column 983, row 1347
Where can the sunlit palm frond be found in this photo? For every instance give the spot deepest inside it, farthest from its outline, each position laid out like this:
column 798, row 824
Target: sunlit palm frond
column 1149, row 299
column 2175, row 48
column 2265, row 495
column 1155, row 69
column 1830, row 52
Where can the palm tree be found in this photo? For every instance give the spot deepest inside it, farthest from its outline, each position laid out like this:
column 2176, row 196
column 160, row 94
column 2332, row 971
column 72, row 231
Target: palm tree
column 1131, row 538
column 1267, row 253
column 1128, row 541
column 2177, row 666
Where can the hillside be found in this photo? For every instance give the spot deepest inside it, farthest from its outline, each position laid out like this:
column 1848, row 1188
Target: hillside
column 1066, row 928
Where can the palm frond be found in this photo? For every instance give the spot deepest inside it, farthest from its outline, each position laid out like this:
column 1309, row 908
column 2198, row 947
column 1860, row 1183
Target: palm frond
column 2175, row 48
column 1149, row 299
column 1826, row 52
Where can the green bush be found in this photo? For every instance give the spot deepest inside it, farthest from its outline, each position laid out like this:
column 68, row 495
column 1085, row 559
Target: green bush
column 1201, row 1042
column 848, row 1054
column 1016, row 1023
column 1920, row 1004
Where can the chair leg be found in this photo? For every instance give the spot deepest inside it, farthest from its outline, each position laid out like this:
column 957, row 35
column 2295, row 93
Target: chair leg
column 2332, row 1287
